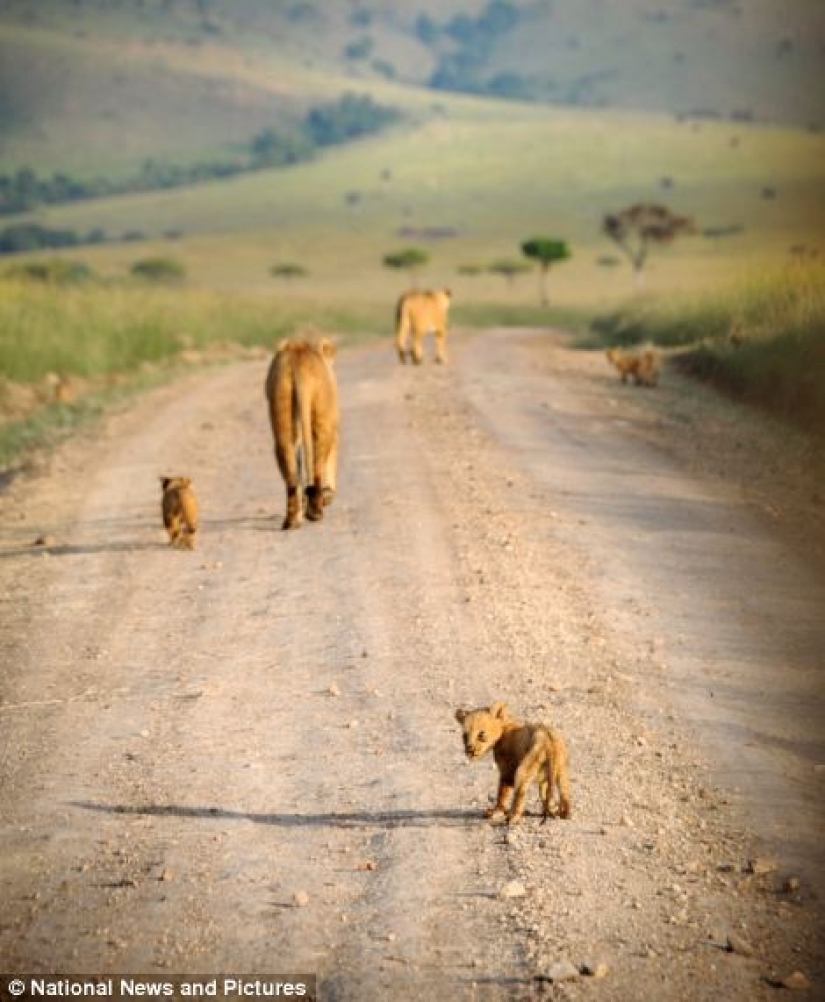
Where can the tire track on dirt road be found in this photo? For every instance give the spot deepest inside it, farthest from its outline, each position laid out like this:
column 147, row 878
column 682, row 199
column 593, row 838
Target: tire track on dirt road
column 244, row 760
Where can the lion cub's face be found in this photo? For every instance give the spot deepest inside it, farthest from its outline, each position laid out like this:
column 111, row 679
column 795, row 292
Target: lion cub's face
column 481, row 728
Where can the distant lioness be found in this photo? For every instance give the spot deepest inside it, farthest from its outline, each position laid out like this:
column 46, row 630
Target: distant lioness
column 180, row 511
column 522, row 753
column 302, row 394
column 642, row 365
column 419, row 313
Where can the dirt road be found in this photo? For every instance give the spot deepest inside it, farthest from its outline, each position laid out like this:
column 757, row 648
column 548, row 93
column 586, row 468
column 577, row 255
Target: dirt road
column 244, row 761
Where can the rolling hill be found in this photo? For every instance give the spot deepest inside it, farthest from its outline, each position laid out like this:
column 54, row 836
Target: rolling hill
column 90, row 85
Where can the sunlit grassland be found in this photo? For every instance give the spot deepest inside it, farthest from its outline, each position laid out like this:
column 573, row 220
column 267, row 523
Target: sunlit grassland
column 111, row 340
column 492, row 175
column 489, row 174
column 95, row 330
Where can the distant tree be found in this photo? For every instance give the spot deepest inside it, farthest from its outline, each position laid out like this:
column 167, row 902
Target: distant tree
column 508, row 268
column 361, row 48
column 159, row 269
column 471, row 269
column 57, row 271
column 288, row 269
column 31, row 236
column 409, row 259
column 639, row 227
column 426, row 29
column 547, row 251
column 350, row 117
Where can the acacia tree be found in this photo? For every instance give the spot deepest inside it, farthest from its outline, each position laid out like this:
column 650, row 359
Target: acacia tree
column 545, row 250
column 409, row 259
column 643, row 225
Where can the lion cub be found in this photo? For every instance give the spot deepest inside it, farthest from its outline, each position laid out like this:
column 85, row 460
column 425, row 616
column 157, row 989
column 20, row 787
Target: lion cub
column 180, row 511
column 522, row 752
column 643, row 365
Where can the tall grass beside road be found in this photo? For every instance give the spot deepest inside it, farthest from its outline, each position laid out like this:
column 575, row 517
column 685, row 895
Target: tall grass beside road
column 66, row 351
column 762, row 340
column 95, row 330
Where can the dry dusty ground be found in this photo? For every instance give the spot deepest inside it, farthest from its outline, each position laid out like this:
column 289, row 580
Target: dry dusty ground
column 244, row 761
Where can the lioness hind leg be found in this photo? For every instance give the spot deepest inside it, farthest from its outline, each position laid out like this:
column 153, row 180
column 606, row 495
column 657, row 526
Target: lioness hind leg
column 417, row 352
column 441, row 347
column 315, row 503
column 294, row 513
column 401, row 342
column 288, row 464
column 331, row 472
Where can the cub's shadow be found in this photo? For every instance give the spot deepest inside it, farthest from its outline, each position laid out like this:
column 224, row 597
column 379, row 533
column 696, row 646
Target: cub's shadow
column 332, row 819
column 132, row 533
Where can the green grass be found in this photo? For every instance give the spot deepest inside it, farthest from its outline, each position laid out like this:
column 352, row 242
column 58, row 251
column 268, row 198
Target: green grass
column 139, row 335
column 105, row 329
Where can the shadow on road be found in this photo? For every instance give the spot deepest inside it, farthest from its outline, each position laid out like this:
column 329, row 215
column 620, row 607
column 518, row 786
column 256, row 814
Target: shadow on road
column 343, row 819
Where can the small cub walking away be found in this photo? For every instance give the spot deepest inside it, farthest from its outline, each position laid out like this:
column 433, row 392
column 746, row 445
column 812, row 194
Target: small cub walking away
column 180, row 511
column 523, row 752
column 642, row 365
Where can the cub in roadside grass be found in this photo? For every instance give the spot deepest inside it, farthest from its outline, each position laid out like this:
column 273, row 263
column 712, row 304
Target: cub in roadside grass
column 523, row 752
column 642, row 365
column 180, row 511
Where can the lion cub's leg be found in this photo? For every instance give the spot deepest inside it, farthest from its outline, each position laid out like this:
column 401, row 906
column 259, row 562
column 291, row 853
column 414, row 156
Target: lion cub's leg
column 525, row 774
column 502, row 799
column 563, row 785
column 172, row 521
column 557, row 776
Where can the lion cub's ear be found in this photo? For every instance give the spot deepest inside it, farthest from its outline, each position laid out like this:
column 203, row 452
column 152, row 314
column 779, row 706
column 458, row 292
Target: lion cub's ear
column 499, row 710
column 165, row 481
column 327, row 348
column 461, row 715
column 185, row 481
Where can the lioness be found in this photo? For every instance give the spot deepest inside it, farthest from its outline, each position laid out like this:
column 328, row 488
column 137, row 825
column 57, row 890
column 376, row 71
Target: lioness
column 419, row 313
column 522, row 753
column 302, row 394
column 180, row 511
column 642, row 365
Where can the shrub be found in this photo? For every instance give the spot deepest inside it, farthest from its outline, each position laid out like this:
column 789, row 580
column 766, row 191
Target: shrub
column 56, row 271
column 159, row 269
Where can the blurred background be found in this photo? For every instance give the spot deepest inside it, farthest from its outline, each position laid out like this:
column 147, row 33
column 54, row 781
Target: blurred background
column 178, row 174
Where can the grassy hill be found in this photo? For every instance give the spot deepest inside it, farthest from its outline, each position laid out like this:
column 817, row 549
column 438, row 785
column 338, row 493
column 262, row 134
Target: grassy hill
column 469, row 184
column 91, row 85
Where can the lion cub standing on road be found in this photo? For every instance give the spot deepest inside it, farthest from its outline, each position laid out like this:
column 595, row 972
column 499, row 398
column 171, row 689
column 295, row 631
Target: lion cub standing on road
column 419, row 313
column 180, row 511
column 303, row 410
column 522, row 752
column 643, row 365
